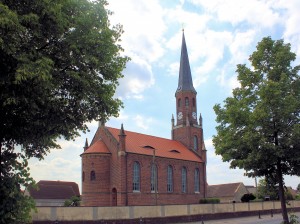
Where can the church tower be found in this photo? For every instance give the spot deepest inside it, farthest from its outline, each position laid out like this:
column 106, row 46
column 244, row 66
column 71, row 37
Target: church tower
column 188, row 130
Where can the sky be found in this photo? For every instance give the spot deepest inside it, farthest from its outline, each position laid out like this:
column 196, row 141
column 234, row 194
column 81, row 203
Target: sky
column 219, row 35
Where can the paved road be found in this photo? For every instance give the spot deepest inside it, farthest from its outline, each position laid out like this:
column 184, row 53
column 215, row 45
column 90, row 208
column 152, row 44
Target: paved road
column 265, row 219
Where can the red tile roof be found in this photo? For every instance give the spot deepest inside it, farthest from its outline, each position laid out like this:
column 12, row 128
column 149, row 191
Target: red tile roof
column 55, row 190
column 97, row 147
column 223, row 190
column 144, row 144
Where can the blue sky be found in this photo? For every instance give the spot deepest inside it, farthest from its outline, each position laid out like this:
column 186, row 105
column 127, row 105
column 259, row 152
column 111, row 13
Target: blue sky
column 219, row 34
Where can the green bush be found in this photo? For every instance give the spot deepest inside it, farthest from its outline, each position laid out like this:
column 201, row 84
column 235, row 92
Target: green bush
column 209, row 201
column 74, row 201
column 247, row 197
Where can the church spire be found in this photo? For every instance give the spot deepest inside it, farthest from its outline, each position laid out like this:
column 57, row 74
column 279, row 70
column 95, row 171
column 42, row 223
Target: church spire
column 185, row 82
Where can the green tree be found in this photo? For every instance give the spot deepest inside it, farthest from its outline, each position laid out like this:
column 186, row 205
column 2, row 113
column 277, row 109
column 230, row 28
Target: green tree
column 259, row 126
column 267, row 188
column 298, row 187
column 60, row 62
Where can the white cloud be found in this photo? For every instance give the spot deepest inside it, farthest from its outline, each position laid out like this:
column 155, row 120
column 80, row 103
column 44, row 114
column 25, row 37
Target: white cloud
column 138, row 76
column 143, row 122
column 173, row 69
column 143, row 25
column 291, row 21
column 240, row 46
column 253, row 12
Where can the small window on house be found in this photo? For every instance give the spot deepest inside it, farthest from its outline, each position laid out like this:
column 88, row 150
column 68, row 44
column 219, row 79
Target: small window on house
column 194, row 103
column 195, row 143
column 174, row 150
column 186, row 101
column 83, row 176
column 136, row 177
column 179, row 102
column 183, row 180
column 197, row 181
column 93, row 175
column 170, row 179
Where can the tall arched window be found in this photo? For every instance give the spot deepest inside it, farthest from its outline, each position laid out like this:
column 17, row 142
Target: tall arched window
column 179, row 102
column 194, row 103
column 197, row 180
column 154, row 178
column 170, row 179
column 136, row 177
column 83, row 176
column 183, row 179
column 93, row 175
column 195, row 143
column 186, row 100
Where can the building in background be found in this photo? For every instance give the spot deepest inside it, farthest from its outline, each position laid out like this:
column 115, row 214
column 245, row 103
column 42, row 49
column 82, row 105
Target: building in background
column 122, row 168
column 53, row 193
column 231, row 192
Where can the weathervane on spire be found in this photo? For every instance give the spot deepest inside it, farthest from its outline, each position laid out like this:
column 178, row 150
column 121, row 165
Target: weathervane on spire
column 182, row 26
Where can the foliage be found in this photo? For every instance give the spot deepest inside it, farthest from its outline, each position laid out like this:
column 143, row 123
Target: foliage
column 209, row 201
column 247, row 197
column 298, row 187
column 259, row 126
column 266, row 188
column 73, row 201
column 294, row 219
column 15, row 206
column 60, row 62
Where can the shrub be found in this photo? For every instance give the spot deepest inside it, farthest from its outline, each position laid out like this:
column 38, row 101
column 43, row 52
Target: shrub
column 247, row 197
column 73, row 201
column 209, row 201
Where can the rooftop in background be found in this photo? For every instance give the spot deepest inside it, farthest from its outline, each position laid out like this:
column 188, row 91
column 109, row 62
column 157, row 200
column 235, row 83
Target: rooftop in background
column 55, row 190
column 223, row 190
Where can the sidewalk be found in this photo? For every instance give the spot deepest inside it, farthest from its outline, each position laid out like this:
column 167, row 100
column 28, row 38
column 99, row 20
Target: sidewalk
column 264, row 219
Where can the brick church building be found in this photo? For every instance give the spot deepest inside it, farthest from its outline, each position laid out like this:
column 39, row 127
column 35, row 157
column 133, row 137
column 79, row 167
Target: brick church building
column 121, row 167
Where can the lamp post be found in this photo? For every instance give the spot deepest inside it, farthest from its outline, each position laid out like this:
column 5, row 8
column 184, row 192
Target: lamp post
column 154, row 176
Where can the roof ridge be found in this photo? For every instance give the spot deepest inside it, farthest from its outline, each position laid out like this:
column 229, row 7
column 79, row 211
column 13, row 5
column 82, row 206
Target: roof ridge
column 144, row 134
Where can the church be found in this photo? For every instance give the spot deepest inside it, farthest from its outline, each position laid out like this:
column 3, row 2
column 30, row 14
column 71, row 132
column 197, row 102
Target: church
column 124, row 168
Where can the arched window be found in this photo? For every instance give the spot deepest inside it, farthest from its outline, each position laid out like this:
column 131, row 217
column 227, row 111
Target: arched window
column 154, row 178
column 179, row 102
column 83, row 176
column 183, row 179
column 93, row 175
column 195, row 143
column 186, row 101
column 197, row 180
column 136, row 177
column 170, row 179
column 194, row 103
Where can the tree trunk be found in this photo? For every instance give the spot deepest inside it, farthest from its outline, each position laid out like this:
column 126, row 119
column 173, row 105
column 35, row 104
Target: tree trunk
column 281, row 194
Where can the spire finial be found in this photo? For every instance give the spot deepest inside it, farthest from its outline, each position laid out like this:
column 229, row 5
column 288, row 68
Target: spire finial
column 182, row 27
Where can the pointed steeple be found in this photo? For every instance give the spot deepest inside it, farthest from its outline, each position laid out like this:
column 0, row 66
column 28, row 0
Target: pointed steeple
column 185, row 82
column 122, row 132
column 86, row 144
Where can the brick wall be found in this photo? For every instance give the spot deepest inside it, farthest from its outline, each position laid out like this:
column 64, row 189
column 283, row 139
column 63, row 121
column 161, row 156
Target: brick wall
column 96, row 192
column 146, row 197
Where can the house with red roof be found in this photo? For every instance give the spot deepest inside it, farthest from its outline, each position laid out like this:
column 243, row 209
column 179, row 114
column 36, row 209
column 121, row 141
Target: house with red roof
column 121, row 167
column 53, row 193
